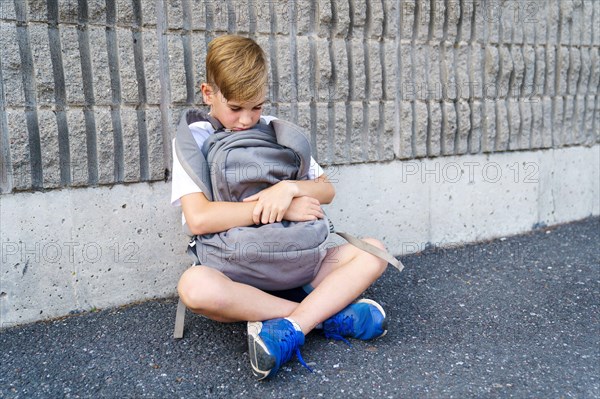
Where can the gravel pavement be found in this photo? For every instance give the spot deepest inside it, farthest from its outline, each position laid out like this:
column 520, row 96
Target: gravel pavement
column 516, row 317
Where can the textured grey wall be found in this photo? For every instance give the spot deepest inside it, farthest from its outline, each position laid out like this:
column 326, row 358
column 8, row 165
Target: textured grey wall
column 91, row 89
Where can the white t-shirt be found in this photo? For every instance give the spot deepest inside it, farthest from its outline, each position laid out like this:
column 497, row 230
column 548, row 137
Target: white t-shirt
column 182, row 184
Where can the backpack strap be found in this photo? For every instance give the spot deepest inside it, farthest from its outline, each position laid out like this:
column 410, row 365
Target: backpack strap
column 292, row 136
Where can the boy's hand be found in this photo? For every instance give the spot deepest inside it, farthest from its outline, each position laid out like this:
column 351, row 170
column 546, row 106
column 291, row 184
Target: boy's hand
column 303, row 209
column 272, row 203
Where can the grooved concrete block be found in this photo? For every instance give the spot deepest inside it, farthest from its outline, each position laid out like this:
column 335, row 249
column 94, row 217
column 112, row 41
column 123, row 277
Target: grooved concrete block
column 359, row 16
column 492, row 16
column 578, row 21
column 241, row 11
column 587, row 29
column 97, row 11
column 502, row 126
column 529, row 22
column 156, row 156
column 453, row 13
column 390, row 65
column 461, row 65
column 537, row 116
column 217, row 10
column 466, row 11
column 423, row 20
column 175, row 13
column 358, row 61
column 514, row 124
column 306, row 70
column 281, row 11
column 151, row 66
column 464, row 126
column 596, row 29
column 569, row 136
column 578, row 128
column 563, row 69
column 77, row 147
column 176, row 69
column 373, row 144
column 340, row 61
column 389, row 127
column 199, row 61
column 105, row 145
column 129, row 83
column 100, row 70
column 391, row 14
column 149, row 13
column 263, row 16
column 574, row 70
column 404, row 118
column 567, row 9
column 36, row 10
column 375, row 71
column 595, row 72
column 324, row 73
column 449, row 127
column 71, row 64
column 7, row 10
column 377, row 18
column 547, row 136
column 492, row 67
column 537, row 17
column 540, row 71
column 342, row 25
column 506, row 69
column 518, row 71
column 406, row 79
column 447, row 74
column 67, row 11
column 19, row 149
column 306, row 10
column 420, row 131
column 529, row 73
column 322, row 134
column 553, row 18
column 49, row 146
column 407, row 21
column 124, row 12
column 557, row 122
column 421, row 73
column 434, row 129
column 325, row 18
column 340, row 147
column 358, row 135
column 489, row 126
column 477, row 61
column 589, row 121
column 476, row 128
column 11, row 65
column 40, row 52
column 526, row 123
column 550, row 81
column 198, row 8
column 586, row 68
column 131, row 145
column 436, row 23
column 285, row 80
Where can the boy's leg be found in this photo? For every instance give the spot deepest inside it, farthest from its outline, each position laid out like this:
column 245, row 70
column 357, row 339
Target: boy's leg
column 345, row 273
column 212, row 294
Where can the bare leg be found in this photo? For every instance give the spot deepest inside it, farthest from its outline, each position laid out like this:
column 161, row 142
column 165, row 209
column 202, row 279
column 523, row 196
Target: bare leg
column 212, row 294
column 346, row 272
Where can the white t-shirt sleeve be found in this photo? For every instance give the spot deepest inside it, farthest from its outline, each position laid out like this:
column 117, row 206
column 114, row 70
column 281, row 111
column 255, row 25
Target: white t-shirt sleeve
column 181, row 183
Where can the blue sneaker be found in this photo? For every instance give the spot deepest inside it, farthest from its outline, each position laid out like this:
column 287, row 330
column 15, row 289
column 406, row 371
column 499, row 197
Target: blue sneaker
column 364, row 319
column 271, row 344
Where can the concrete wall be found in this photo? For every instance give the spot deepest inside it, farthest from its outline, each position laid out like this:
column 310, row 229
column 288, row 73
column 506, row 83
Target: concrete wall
column 398, row 96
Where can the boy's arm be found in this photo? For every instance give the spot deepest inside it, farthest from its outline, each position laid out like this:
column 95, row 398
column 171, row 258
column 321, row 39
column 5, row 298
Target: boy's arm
column 204, row 216
column 272, row 203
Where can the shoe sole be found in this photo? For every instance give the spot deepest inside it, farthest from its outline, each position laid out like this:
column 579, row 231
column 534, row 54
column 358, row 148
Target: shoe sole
column 261, row 359
column 378, row 306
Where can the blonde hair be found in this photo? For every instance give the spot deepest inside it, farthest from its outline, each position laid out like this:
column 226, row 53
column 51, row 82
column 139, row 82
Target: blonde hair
column 236, row 66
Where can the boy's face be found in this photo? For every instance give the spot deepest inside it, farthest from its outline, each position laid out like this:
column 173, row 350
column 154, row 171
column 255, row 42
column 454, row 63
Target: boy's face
column 233, row 114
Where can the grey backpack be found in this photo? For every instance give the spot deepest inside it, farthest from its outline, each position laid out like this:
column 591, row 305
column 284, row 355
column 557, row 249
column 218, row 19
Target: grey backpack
column 231, row 166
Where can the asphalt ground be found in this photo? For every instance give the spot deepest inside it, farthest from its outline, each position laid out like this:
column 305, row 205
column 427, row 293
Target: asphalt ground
column 516, row 317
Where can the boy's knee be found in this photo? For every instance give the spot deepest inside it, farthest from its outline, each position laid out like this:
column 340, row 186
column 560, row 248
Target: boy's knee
column 379, row 264
column 199, row 288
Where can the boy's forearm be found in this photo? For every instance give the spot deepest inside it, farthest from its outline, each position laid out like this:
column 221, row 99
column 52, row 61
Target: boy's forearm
column 319, row 188
column 216, row 217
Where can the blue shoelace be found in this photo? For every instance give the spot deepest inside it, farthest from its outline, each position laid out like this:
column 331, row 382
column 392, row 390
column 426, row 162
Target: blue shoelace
column 339, row 326
column 289, row 347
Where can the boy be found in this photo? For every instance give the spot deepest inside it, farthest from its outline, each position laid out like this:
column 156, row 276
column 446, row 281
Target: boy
column 277, row 320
